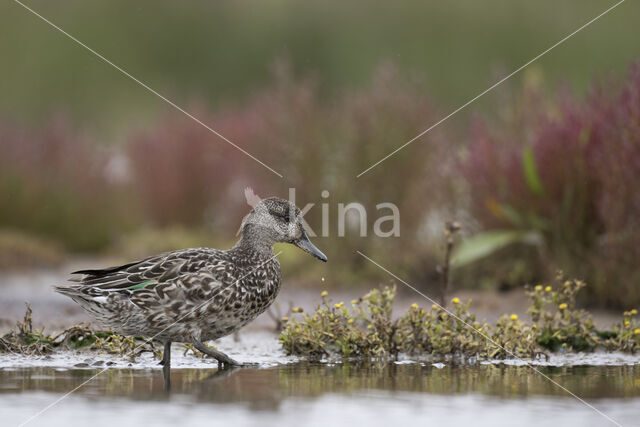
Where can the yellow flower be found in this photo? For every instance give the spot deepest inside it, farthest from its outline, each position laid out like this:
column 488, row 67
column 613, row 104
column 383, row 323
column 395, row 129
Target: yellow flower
column 538, row 287
column 634, row 312
column 285, row 319
column 335, row 321
column 297, row 310
column 562, row 306
column 414, row 306
column 369, row 326
column 324, row 294
column 636, row 331
column 547, row 289
column 434, row 307
column 626, row 323
column 350, row 321
column 514, row 317
column 339, row 305
column 354, row 301
column 567, row 283
column 455, row 300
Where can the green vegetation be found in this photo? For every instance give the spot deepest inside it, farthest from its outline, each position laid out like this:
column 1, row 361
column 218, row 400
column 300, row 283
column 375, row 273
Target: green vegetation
column 24, row 340
column 221, row 52
column 368, row 330
column 540, row 179
column 551, row 182
column 538, row 195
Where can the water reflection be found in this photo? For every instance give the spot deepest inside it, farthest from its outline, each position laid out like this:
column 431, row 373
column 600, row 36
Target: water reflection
column 266, row 389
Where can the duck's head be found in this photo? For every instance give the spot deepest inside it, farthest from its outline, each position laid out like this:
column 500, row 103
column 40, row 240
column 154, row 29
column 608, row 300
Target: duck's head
column 279, row 221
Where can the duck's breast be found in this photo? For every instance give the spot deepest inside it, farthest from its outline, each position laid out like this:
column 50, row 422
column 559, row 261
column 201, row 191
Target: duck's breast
column 243, row 301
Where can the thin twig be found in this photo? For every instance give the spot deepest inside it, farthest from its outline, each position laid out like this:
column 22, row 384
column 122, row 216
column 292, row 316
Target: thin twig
column 450, row 229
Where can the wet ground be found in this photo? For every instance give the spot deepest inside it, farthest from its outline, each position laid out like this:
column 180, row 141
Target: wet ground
column 282, row 390
column 86, row 388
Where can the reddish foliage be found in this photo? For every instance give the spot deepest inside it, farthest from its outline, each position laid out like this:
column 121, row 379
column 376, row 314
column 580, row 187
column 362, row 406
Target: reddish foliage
column 53, row 182
column 587, row 157
column 181, row 171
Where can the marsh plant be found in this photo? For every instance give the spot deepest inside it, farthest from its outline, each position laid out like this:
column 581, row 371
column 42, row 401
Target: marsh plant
column 538, row 182
column 366, row 329
column 551, row 182
column 369, row 330
column 25, row 340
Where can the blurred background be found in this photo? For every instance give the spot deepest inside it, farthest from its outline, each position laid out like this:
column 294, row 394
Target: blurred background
column 541, row 172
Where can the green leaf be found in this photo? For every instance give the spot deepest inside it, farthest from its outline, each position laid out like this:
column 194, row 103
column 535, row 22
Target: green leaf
column 537, row 222
column 531, row 171
column 485, row 244
column 512, row 215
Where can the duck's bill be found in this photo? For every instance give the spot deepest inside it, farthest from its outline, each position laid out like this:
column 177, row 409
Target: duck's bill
column 305, row 244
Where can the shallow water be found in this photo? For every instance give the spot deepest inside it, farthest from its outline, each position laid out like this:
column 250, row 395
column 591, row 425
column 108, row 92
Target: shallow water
column 285, row 391
column 315, row 394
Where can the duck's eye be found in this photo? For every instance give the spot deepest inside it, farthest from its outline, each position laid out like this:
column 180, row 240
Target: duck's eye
column 286, row 218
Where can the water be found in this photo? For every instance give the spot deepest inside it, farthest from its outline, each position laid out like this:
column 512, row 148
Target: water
column 284, row 391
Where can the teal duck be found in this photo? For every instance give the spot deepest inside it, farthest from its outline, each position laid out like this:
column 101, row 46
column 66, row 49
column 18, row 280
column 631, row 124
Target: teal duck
column 196, row 295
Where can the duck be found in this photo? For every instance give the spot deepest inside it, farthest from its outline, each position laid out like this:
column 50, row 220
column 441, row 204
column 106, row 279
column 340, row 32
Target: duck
column 196, row 295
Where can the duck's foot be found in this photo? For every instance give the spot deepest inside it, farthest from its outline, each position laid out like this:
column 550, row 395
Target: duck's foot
column 224, row 361
column 166, row 355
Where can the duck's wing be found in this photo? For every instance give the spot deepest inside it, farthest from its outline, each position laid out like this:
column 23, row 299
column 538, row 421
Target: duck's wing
column 151, row 274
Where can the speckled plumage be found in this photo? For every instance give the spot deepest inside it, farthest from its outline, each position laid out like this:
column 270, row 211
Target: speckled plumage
column 196, row 295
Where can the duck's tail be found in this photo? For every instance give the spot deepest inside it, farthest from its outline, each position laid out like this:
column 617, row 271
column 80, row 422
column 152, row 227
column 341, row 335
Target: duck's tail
column 75, row 292
column 88, row 301
column 69, row 291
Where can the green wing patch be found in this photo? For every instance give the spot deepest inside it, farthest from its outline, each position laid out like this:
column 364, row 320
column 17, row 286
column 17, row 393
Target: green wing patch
column 141, row 285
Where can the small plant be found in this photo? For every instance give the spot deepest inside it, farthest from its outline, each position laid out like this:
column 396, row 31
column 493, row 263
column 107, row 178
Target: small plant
column 24, row 340
column 450, row 230
column 439, row 333
column 562, row 326
column 626, row 335
column 331, row 329
column 513, row 338
column 370, row 330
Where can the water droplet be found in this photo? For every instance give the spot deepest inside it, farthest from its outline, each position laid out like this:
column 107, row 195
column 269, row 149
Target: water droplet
column 323, row 279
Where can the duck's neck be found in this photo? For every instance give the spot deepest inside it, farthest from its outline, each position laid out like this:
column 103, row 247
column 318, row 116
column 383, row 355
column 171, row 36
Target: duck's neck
column 255, row 241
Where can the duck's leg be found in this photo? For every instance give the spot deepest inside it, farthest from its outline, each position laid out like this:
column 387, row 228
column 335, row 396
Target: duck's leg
column 166, row 355
column 222, row 358
column 166, row 365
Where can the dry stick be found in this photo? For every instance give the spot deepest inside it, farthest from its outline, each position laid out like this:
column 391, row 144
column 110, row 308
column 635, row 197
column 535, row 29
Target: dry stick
column 450, row 229
column 277, row 316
